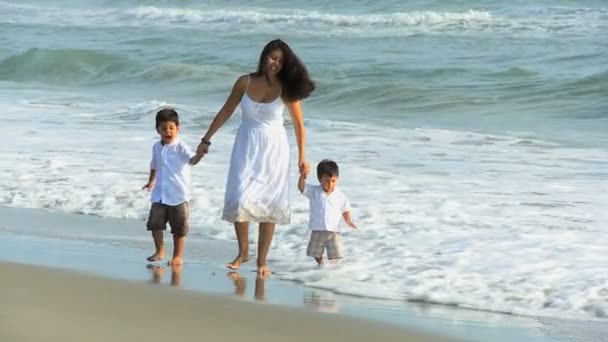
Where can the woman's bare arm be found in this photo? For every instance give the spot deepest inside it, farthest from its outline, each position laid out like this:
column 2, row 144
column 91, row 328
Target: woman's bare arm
column 295, row 109
column 224, row 114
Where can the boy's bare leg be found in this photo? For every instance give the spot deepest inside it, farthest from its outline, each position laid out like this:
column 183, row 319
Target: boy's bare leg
column 265, row 234
column 319, row 260
column 159, row 245
column 178, row 250
column 242, row 236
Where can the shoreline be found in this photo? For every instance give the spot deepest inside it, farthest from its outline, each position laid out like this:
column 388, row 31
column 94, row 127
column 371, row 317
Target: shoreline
column 27, row 237
column 70, row 306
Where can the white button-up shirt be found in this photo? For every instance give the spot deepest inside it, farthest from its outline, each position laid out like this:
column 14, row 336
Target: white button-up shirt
column 325, row 210
column 172, row 165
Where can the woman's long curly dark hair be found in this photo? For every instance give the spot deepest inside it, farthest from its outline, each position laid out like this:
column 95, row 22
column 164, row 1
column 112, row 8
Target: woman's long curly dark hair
column 293, row 76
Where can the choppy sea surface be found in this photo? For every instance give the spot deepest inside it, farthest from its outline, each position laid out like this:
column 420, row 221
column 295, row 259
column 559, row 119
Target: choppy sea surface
column 471, row 135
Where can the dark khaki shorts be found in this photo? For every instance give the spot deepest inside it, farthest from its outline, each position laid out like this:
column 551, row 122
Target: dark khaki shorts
column 176, row 215
column 331, row 242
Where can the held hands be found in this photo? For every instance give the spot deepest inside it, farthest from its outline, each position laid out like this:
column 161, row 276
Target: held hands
column 351, row 224
column 304, row 167
column 202, row 149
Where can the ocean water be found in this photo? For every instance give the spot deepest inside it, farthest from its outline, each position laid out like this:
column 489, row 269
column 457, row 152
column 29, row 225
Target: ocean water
column 471, row 135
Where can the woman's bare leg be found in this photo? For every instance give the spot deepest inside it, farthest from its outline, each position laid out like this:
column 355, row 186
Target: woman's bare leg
column 242, row 236
column 265, row 234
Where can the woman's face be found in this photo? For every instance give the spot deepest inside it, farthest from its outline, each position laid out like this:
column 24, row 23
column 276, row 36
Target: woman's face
column 274, row 62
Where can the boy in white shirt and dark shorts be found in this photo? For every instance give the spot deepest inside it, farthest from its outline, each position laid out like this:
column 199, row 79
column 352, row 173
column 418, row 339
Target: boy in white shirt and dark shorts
column 169, row 182
column 328, row 205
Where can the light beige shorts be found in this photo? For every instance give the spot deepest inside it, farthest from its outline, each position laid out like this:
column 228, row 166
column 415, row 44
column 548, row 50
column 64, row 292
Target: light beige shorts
column 320, row 241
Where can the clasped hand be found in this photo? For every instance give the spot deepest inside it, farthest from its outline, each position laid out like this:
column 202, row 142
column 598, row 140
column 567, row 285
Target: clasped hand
column 304, row 167
column 202, row 149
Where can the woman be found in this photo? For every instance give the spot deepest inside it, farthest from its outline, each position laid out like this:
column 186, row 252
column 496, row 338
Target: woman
column 258, row 180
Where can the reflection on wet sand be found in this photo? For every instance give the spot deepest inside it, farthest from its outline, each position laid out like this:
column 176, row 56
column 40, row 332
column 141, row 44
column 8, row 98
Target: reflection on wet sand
column 240, row 285
column 315, row 300
column 318, row 302
column 158, row 271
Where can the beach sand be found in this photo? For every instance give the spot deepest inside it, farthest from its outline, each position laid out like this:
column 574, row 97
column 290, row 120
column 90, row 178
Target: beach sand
column 45, row 304
column 68, row 277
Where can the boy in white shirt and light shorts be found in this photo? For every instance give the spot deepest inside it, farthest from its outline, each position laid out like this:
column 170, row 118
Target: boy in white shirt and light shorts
column 328, row 205
column 169, row 182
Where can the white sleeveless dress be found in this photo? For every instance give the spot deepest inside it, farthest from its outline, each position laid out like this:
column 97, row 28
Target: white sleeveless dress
column 258, row 179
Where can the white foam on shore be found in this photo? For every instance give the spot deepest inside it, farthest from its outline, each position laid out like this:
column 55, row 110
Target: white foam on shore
column 506, row 223
column 532, row 22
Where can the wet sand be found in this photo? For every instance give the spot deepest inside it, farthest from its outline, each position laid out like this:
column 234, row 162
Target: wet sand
column 47, row 304
column 92, row 279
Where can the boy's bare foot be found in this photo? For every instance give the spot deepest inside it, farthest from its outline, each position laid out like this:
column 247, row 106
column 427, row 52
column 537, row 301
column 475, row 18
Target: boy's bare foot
column 159, row 255
column 319, row 261
column 264, row 271
column 236, row 263
column 176, row 261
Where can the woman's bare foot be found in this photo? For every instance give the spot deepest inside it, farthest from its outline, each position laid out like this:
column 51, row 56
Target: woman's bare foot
column 176, row 261
column 236, row 263
column 158, row 255
column 264, row 271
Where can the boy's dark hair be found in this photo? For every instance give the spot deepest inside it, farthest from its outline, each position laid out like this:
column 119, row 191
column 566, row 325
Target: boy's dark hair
column 327, row 167
column 167, row 114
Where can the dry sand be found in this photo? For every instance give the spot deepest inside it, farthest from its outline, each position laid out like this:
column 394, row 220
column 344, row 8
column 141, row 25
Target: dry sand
column 50, row 305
